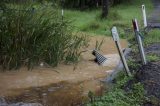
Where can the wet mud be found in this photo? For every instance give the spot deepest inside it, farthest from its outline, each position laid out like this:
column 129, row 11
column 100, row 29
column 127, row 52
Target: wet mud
column 149, row 76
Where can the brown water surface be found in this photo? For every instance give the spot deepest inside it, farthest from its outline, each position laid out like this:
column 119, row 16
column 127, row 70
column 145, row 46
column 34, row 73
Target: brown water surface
column 65, row 85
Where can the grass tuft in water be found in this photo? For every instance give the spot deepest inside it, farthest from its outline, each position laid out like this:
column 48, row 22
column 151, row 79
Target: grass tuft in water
column 30, row 34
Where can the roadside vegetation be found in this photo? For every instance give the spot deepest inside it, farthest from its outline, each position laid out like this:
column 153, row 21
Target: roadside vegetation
column 35, row 33
column 132, row 91
column 32, row 33
column 120, row 94
column 129, row 91
column 120, row 15
column 152, row 37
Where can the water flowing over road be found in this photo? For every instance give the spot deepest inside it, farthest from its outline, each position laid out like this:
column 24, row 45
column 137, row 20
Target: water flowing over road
column 65, row 85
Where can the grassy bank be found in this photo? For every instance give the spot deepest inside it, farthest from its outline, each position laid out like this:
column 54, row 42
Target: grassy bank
column 120, row 16
column 120, row 94
column 128, row 91
column 152, row 37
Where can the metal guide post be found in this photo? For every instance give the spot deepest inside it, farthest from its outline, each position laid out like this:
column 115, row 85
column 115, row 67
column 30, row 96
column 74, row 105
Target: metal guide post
column 144, row 16
column 62, row 11
column 139, row 40
column 116, row 39
column 62, row 14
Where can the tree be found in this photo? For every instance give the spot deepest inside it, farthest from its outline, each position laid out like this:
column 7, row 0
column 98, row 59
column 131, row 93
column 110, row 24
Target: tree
column 105, row 8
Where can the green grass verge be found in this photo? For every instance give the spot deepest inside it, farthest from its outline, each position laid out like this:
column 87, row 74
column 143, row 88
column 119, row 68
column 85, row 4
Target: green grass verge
column 117, row 96
column 120, row 16
column 152, row 37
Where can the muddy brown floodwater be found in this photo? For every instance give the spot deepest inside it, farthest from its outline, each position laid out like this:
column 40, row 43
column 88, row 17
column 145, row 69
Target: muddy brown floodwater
column 65, row 85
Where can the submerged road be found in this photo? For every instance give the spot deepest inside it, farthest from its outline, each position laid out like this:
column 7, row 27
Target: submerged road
column 154, row 17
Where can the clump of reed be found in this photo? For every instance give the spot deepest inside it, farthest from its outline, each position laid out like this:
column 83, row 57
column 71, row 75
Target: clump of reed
column 30, row 34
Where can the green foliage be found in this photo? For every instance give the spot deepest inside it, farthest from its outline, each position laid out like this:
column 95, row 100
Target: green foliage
column 73, row 53
column 94, row 25
column 119, row 97
column 29, row 36
column 133, row 65
column 121, row 79
column 152, row 37
column 153, row 58
column 114, row 15
column 99, row 44
column 120, row 15
column 153, row 100
column 137, row 92
column 80, row 4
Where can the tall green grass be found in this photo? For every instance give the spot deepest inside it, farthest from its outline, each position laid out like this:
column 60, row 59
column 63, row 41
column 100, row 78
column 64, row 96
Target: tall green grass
column 29, row 36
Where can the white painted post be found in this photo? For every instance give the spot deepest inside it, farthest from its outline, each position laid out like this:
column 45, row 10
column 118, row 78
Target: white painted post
column 62, row 14
column 144, row 15
column 97, row 4
column 116, row 39
column 139, row 40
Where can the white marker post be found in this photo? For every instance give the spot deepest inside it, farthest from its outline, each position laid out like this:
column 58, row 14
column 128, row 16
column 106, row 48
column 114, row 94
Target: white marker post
column 62, row 11
column 116, row 39
column 139, row 40
column 62, row 14
column 144, row 15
